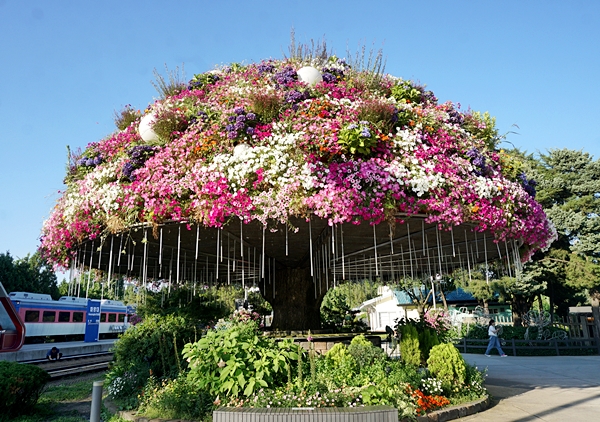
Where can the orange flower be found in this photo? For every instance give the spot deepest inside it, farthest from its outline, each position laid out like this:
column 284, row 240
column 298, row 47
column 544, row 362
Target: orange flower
column 475, row 209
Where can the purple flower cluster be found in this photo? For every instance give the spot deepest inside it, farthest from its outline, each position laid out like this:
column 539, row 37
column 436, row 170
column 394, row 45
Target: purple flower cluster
column 455, row 117
column 294, row 96
column 528, row 184
column 331, row 75
column 364, row 129
column 426, row 96
column 240, row 123
column 478, row 160
column 201, row 116
column 286, row 76
column 90, row 162
column 137, row 158
column 199, row 81
column 265, row 67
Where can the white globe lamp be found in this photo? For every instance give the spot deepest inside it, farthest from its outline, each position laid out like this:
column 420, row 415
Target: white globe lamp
column 145, row 128
column 310, row 75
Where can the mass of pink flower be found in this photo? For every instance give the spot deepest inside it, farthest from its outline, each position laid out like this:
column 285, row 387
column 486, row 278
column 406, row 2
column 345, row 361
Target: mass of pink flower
column 258, row 142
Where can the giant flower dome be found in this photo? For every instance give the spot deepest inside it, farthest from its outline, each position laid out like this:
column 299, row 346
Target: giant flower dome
column 348, row 167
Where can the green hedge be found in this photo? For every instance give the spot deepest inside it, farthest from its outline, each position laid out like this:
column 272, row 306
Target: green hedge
column 20, row 388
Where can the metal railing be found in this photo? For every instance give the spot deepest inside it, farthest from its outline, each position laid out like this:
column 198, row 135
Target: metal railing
column 529, row 347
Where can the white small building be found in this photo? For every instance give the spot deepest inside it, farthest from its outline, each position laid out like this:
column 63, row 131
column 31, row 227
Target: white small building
column 385, row 309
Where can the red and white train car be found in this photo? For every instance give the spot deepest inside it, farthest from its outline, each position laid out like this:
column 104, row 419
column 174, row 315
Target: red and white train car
column 65, row 319
column 12, row 329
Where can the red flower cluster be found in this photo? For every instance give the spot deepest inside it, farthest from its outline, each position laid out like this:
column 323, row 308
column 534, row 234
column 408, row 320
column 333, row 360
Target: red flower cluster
column 427, row 403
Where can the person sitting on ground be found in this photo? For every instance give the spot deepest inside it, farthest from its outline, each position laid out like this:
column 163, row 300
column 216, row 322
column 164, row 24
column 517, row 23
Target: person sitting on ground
column 54, row 354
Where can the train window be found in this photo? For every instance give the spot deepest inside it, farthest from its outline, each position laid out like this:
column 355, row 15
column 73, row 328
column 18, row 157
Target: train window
column 49, row 316
column 103, row 317
column 77, row 316
column 112, row 317
column 64, row 316
column 121, row 317
column 32, row 316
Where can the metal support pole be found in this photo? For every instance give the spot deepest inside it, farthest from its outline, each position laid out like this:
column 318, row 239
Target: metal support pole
column 96, row 401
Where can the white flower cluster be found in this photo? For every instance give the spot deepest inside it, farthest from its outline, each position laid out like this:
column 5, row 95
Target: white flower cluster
column 487, row 188
column 99, row 189
column 406, row 140
column 432, row 386
column 423, row 179
column 278, row 161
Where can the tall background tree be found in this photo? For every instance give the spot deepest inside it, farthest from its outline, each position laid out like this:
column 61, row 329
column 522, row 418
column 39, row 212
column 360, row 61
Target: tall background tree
column 568, row 187
column 29, row 274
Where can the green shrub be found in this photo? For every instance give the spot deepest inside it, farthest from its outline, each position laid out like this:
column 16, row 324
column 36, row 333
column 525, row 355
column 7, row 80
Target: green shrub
column 152, row 347
column 388, row 394
column 446, row 364
column 398, row 372
column 473, row 388
column 474, row 331
column 364, row 352
column 337, row 368
column 235, row 359
column 427, row 339
column 175, row 399
column 409, row 345
column 20, row 388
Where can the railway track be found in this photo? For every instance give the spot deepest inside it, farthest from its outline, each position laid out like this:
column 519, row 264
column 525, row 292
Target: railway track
column 74, row 365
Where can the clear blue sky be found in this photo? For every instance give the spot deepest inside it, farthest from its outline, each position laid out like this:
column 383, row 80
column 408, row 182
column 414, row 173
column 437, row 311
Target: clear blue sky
column 67, row 66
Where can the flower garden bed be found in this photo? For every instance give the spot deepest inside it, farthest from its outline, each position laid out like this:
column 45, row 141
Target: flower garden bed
column 236, row 370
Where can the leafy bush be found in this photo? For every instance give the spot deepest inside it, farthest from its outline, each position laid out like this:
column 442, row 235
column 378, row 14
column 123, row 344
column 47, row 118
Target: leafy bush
column 175, row 399
column 337, row 309
column 386, row 393
column 508, row 332
column 446, row 364
column 337, row 368
column 234, row 359
column 364, row 352
column 473, row 388
column 409, row 345
column 152, row 347
column 427, row 339
column 293, row 396
column 20, row 388
column 474, row 331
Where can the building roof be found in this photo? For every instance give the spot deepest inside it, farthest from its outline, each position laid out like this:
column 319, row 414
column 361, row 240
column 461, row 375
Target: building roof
column 459, row 295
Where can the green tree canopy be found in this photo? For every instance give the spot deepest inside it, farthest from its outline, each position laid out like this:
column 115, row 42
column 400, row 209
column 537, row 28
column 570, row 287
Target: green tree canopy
column 568, row 187
column 29, row 274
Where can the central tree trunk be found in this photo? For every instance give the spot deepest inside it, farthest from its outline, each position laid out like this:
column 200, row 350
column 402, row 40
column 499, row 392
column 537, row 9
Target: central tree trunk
column 520, row 305
column 295, row 301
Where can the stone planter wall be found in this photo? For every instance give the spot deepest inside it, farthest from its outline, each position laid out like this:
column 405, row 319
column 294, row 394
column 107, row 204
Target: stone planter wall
column 302, row 414
column 322, row 344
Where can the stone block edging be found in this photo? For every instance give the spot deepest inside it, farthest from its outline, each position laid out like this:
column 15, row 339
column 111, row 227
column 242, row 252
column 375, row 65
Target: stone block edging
column 443, row 415
column 455, row 412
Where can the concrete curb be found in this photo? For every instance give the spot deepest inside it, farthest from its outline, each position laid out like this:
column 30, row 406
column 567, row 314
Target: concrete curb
column 443, row 415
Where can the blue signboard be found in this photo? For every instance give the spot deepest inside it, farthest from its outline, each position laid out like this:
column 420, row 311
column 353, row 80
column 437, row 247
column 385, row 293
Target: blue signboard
column 92, row 321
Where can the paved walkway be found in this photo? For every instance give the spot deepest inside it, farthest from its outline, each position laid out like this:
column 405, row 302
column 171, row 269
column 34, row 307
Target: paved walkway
column 540, row 389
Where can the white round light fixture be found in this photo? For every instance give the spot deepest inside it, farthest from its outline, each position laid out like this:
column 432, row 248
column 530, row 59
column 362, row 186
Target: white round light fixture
column 310, row 75
column 145, row 128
